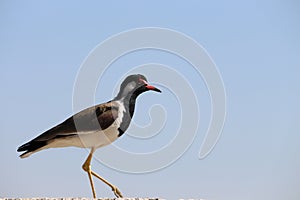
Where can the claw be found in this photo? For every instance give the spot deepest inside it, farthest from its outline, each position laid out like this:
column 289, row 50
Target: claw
column 117, row 192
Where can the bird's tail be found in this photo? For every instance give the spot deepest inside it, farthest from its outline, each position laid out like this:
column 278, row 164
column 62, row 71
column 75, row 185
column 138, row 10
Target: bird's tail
column 31, row 147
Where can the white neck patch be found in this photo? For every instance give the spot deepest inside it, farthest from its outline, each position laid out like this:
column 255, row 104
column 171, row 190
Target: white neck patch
column 129, row 87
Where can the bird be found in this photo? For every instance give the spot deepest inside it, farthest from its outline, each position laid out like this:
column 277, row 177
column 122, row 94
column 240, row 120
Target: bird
column 94, row 127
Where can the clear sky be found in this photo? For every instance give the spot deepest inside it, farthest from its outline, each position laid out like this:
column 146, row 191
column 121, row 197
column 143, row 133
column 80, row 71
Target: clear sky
column 255, row 45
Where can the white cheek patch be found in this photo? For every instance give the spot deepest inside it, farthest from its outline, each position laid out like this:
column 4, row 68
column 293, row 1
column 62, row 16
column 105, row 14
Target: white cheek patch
column 129, row 87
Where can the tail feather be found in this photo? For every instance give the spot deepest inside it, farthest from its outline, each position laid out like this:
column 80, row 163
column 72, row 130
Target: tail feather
column 31, row 147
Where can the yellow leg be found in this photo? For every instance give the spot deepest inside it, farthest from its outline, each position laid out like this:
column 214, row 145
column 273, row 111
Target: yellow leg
column 87, row 167
column 113, row 188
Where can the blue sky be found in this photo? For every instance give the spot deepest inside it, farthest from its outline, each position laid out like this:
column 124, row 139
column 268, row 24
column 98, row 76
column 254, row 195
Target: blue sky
column 255, row 45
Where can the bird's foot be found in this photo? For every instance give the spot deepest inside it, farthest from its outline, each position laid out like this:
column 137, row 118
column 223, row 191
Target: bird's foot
column 117, row 192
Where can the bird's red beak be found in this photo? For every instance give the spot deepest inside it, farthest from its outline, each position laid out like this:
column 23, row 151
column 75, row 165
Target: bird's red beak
column 150, row 87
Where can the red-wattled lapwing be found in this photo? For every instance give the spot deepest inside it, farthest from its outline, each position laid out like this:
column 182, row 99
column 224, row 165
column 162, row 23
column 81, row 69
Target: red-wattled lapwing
column 94, row 127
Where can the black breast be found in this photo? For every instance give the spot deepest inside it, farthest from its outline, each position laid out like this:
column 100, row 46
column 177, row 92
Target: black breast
column 127, row 116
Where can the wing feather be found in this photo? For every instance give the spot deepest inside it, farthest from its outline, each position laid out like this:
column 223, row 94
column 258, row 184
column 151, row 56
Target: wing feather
column 94, row 118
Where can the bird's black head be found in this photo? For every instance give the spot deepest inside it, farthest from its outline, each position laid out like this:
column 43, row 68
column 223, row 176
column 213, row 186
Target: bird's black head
column 134, row 85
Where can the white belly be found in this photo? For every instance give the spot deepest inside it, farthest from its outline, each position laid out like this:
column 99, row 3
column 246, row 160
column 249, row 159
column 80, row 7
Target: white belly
column 93, row 139
column 97, row 139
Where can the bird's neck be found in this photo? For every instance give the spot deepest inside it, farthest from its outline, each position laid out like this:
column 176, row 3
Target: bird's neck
column 129, row 102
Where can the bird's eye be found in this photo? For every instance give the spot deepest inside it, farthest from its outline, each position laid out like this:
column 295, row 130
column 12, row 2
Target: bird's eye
column 142, row 81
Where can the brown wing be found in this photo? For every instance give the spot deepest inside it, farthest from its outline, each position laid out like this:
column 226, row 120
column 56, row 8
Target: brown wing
column 94, row 118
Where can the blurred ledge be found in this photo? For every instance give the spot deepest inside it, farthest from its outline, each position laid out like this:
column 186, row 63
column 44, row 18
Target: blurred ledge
column 80, row 198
